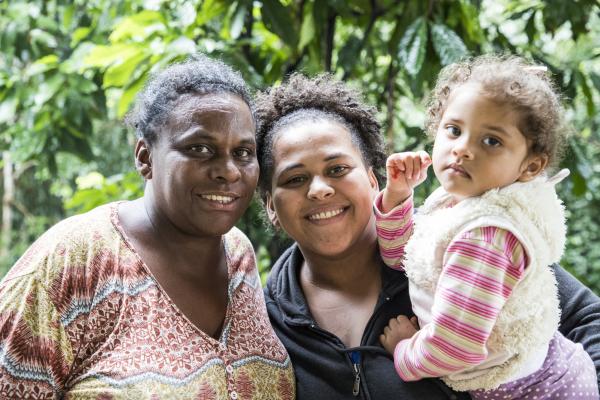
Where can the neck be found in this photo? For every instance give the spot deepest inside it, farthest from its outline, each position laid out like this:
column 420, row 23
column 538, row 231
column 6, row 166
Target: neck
column 354, row 270
column 206, row 252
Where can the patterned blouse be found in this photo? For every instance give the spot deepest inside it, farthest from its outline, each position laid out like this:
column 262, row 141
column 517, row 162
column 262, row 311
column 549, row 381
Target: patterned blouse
column 82, row 317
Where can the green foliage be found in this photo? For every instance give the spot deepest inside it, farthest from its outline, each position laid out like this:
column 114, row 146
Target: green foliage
column 69, row 71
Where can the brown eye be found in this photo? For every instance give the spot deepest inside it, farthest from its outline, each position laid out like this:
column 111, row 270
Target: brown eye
column 338, row 170
column 453, row 130
column 199, row 148
column 492, row 142
column 243, row 153
column 295, row 180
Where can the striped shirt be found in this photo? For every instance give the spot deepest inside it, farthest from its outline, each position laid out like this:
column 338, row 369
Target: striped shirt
column 481, row 268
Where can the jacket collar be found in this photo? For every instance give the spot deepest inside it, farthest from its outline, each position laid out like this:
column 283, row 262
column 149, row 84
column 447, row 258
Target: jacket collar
column 283, row 286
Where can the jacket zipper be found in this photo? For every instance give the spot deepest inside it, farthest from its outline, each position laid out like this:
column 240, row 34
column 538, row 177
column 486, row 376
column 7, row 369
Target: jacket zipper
column 355, row 357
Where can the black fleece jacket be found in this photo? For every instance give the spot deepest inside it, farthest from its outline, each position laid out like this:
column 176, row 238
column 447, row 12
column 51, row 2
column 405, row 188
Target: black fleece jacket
column 326, row 369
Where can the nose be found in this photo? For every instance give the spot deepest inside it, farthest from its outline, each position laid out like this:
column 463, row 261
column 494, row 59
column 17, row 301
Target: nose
column 462, row 148
column 319, row 189
column 224, row 169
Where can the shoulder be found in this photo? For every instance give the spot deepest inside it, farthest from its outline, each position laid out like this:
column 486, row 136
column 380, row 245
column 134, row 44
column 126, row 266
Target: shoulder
column 71, row 241
column 239, row 250
column 493, row 244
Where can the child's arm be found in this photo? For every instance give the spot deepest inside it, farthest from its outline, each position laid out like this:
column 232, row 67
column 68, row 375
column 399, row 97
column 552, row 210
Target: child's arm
column 394, row 207
column 481, row 269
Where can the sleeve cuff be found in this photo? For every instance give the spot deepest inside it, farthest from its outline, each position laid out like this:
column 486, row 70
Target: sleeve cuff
column 398, row 211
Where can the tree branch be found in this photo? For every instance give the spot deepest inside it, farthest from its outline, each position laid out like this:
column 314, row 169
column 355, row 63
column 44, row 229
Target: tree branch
column 329, row 37
column 390, row 102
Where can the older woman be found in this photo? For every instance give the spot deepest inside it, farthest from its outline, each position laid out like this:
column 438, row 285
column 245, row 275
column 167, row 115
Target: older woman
column 157, row 297
column 329, row 296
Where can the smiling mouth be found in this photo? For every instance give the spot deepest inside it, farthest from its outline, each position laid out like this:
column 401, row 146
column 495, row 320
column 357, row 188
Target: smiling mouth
column 218, row 198
column 325, row 214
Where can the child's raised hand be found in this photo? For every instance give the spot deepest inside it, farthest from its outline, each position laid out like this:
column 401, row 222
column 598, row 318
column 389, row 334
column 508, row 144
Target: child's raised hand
column 398, row 329
column 404, row 172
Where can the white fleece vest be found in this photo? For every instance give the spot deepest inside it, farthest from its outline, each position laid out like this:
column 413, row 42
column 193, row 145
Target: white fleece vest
column 527, row 322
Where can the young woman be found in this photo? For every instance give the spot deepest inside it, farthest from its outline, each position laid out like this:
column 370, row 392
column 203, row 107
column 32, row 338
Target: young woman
column 329, row 296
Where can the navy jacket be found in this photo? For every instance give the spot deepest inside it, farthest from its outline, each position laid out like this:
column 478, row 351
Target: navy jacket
column 326, row 369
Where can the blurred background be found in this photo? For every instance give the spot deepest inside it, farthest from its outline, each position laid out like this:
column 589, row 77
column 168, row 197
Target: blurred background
column 69, row 71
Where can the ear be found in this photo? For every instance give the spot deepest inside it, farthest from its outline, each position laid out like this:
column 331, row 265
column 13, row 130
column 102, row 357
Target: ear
column 143, row 159
column 271, row 210
column 532, row 167
column 373, row 180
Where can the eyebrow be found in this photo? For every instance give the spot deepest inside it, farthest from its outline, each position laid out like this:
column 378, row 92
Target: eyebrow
column 199, row 133
column 330, row 157
column 494, row 128
column 498, row 129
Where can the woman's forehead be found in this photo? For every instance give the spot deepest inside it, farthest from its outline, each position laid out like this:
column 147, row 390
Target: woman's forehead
column 312, row 141
column 196, row 107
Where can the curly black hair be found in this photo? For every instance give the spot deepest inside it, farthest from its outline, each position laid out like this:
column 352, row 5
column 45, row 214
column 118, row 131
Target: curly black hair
column 514, row 81
column 321, row 97
column 197, row 75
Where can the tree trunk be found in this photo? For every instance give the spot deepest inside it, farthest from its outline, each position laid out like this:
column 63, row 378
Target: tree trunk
column 329, row 39
column 7, row 200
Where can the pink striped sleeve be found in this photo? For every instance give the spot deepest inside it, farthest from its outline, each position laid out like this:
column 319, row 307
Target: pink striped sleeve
column 481, row 269
column 393, row 231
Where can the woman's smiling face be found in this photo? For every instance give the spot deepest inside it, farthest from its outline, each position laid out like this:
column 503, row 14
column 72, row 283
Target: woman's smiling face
column 321, row 191
column 204, row 167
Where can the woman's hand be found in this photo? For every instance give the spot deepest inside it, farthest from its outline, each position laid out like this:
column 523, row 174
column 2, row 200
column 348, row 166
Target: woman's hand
column 404, row 172
column 398, row 329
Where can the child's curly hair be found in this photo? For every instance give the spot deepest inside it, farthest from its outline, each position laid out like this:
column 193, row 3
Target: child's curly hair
column 301, row 98
column 514, row 81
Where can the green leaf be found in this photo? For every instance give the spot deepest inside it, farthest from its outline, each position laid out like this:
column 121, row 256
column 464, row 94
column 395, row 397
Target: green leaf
column 47, row 89
column 307, row 30
column 129, row 95
column 447, row 45
column 41, row 65
column 123, row 70
column 139, row 26
column 210, row 9
column 181, row 46
column 349, row 54
column 79, row 34
column 469, row 18
column 587, row 93
column 579, row 183
column 341, row 7
column 596, row 81
column 104, row 56
column 67, row 17
column 42, row 37
column 413, row 45
column 8, row 109
column 237, row 20
column 278, row 20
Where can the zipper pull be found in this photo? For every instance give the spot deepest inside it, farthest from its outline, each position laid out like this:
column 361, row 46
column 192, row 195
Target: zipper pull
column 355, row 357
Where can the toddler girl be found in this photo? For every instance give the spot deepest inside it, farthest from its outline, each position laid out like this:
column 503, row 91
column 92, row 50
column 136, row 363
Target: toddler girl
column 478, row 252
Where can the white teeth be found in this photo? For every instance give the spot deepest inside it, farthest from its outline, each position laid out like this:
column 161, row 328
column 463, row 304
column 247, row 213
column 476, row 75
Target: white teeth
column 326, row 214
column 215, row 197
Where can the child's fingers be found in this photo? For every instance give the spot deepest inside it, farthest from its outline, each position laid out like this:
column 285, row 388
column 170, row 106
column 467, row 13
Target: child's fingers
column 408, row 168
column 425, row 158
column 394, row 165
column 415, row 322
column 425, row 162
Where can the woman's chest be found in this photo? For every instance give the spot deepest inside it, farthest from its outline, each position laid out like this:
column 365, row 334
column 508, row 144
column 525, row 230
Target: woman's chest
column 152, row 349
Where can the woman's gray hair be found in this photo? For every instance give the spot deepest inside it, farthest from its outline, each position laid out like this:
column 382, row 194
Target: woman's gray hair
column 197, row 75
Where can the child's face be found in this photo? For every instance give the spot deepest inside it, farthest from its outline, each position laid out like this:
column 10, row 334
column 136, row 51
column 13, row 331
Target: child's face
column 478, row 145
